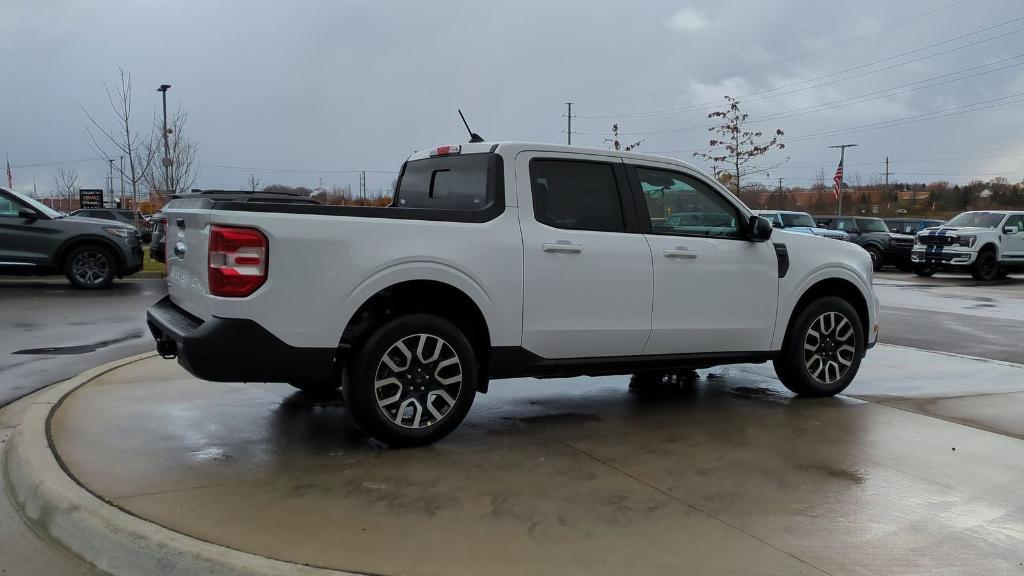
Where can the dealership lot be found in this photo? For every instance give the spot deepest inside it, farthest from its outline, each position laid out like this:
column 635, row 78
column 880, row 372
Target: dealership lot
column 915, row 469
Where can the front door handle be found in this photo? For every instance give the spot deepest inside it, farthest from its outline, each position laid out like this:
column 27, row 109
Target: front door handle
column 562, row 246
column 680, row 252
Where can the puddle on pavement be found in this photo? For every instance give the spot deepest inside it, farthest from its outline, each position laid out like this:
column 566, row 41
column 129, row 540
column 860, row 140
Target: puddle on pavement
column 759, row 393
column 563, row 418
column 81, row 348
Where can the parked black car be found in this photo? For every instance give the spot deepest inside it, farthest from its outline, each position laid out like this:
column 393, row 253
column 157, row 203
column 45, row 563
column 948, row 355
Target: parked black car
column 126, row 216
column 874, row 236
column 158, row 244
column 911, row 226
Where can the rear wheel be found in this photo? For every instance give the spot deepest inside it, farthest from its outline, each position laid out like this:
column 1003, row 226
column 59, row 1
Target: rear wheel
column 90, row 267
column 413, row 381
column 986, row 267
column 823, row 349
column 925, row 270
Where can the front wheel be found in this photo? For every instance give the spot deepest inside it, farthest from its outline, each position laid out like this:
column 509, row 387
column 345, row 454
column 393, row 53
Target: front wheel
column 986, row 267
column 413, row 381
column 90, row 267
column 823, row 349
column 925, row 270
column 877, row 258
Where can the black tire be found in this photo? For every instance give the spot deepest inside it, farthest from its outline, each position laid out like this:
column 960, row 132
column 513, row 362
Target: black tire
column 795, row 365
column 877, row 258
column 986, row 266
column 925, row 270
column 90, row 267
column 418, row 381
column 1004, row 272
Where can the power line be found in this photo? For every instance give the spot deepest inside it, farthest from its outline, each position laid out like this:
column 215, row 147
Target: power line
column 61, row 163
column 800, row 55
column 966, row 108
column 293, row 170
column 859, row 99
column 768, row 93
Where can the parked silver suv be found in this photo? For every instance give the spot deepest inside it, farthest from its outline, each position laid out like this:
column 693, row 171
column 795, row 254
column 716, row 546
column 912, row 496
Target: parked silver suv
column 36, row 240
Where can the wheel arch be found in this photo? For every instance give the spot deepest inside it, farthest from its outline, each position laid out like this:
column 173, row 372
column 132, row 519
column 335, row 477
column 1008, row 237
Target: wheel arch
column 832, row 286
column 78, row 241
column 421, row 296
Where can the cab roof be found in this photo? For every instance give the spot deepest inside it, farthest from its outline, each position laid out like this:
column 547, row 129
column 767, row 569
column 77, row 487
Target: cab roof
column 514, row 147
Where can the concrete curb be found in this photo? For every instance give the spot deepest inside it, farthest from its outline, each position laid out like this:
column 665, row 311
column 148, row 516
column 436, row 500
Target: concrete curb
column 114, row 541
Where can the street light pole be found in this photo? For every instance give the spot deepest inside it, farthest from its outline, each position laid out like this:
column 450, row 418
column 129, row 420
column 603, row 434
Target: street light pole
column 842, row 158
column 167, row 148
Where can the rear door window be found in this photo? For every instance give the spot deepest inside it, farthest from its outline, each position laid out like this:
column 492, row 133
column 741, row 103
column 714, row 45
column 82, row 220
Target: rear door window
column 576, row 195
column 448, row 182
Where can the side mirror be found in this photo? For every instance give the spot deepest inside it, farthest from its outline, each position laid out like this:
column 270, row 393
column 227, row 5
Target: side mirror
column 1010, row 230
column 776, row 224
column 28, row 214
column 759, row 229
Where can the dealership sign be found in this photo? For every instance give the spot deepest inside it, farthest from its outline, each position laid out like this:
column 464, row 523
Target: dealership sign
column 90, row 198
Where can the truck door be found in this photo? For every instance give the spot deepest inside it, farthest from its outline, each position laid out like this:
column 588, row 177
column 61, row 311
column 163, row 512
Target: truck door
column 714, row 290
column 588, row 275
column 1013, row 243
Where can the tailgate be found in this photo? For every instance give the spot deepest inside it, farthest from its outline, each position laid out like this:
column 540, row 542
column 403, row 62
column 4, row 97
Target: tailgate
column 187, row 238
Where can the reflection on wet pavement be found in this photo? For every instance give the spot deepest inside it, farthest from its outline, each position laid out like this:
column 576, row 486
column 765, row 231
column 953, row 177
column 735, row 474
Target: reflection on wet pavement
column 727, row 473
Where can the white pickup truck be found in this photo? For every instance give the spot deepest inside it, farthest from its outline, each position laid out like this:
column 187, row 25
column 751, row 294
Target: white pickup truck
column 989, row 244
column 500, row 260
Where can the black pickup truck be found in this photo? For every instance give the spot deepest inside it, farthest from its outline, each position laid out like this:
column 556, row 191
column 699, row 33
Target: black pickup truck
column 885, row 247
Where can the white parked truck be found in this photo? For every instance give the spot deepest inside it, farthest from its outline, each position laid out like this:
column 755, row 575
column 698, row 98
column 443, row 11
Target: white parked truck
column 500, row 260
column 989, row 244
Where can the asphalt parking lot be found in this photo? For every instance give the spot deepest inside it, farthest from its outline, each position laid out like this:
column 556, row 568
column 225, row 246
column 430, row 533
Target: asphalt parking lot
column 915, row 469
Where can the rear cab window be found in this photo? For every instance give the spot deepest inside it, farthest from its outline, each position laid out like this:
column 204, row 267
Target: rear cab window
column 469, row 182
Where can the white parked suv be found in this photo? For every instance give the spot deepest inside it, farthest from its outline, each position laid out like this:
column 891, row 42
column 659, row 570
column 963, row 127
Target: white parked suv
column 500, row 260
column 989, row 244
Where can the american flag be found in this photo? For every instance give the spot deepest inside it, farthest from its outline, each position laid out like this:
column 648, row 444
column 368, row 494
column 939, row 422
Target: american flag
column 837, row 181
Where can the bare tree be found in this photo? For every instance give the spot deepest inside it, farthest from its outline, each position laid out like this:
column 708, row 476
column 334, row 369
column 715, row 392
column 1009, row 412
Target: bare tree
column 616, row 145
column 254, row 183
column 738, row 148
column 65, row 183
column 181, row 175
column 123, row 139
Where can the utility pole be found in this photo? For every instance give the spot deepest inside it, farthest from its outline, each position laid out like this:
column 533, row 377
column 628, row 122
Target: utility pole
column 362, row 184
column 887, row 174
column 110, row 177
column 839, row 172
column 122, row 181
column 167, row 147
column 568, row 131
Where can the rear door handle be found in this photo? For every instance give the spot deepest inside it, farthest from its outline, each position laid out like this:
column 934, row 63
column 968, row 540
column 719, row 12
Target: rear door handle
column 680, row 252
column 562, row 246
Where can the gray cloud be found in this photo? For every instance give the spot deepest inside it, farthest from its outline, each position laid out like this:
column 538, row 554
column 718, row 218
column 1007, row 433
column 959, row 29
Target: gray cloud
column 325, row 86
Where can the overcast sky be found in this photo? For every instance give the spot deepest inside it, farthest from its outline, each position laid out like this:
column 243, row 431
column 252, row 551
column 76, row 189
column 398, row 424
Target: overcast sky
column 297, row 91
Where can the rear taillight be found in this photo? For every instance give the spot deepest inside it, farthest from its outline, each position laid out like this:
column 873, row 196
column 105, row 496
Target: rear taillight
column 237, row 261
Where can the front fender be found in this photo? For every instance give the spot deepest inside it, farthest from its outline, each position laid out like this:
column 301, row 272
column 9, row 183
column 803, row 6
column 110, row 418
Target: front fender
column 812, row 264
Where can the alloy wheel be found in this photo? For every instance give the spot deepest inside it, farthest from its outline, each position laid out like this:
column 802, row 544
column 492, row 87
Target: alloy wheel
column 90, row 267
column 418, row 381
column 829, row 347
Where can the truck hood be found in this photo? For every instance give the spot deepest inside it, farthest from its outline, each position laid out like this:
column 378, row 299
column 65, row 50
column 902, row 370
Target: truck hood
column 958, row 229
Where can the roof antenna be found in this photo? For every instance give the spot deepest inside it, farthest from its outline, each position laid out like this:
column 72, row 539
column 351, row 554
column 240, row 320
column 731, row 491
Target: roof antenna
column 473, row 136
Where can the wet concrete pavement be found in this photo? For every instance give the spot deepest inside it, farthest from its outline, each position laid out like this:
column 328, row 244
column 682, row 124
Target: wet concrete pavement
column 50, row 331
column 953, row 313
column 577, row 476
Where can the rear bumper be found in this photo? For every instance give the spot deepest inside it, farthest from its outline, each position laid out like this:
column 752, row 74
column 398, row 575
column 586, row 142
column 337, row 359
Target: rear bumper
column 233, row 349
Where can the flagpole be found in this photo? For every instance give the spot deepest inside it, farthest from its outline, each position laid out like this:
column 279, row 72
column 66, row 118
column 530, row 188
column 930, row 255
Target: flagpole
column 842, row 158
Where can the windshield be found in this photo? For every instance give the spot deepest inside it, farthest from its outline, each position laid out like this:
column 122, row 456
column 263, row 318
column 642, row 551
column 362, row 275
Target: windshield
column 797, row 219
column 871, row 225
column 49, row 212
column 977, row 220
